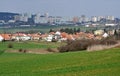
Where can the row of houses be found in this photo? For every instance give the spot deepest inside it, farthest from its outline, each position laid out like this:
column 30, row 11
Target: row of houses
column 53, row 36
column 19, row 37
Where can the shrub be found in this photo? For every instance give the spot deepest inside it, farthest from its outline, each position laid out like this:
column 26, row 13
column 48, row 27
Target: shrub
column 50, row 50
column 10, row 45
column 63, row 49
column 80, row 45
column 74, row 46
column 108, row 42
column 24, row 51
column 20, row 50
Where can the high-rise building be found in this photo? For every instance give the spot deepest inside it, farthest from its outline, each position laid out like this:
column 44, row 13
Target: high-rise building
column 17, row 17
column 28, row 15
column 110, row 18
column 83, row 18
column 100, row 17
column 23, row 17
column 94, row 19
column 75, row 19
column 37, row 18
column 46, row 15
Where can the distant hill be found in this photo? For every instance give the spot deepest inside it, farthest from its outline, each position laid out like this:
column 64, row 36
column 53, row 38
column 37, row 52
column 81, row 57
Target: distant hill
column 7, row 16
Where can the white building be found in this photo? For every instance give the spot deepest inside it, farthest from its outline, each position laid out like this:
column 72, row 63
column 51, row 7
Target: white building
column 100, row 17
column 99, row 32
column 110, row 24
column 28, row 15
column 43, row 20
column 17, row 17
column 1, row 38
column 37, row 18
column 94, row 19
column 21, row 17
column 11, row 21
column 49, row 38
column 46, row 15
column 110, row 18
column 2, row 22
column 105, row 35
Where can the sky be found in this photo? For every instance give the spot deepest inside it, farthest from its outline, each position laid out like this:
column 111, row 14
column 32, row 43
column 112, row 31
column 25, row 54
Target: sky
column 63, row 7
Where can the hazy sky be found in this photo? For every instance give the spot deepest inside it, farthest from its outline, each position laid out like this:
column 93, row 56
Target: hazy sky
column 63, row 7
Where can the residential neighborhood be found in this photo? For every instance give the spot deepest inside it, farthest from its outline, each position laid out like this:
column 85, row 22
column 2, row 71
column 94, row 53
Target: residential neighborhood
column 57, row 36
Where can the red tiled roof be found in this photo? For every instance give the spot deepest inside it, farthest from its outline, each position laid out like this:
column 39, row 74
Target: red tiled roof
column 6, row 36
column 64, row 35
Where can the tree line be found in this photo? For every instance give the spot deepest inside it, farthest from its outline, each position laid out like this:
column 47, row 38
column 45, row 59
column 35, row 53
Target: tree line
column 67, row 30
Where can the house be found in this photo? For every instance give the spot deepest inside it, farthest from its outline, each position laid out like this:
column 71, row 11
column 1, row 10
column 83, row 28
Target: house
column 90, row 36
column 49, row 38
column 20, row 37
column 53, row 36
column 70, row 37
column 64, row 36
column 6, row 37
column 105, row 35
column 57, row 36
column 98, row 37
column 98, row 32
column 1, row 38
column 35, row 36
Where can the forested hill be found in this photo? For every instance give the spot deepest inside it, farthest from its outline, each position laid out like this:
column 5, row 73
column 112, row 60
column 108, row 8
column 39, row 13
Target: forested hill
column 7, row 16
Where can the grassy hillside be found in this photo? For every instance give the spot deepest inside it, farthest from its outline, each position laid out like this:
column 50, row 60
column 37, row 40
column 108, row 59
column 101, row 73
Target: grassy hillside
column 100, row 63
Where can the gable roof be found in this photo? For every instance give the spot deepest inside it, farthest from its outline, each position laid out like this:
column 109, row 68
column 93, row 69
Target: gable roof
column 6, row 36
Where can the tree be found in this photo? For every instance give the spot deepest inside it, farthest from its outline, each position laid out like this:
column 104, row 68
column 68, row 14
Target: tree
column 71, row 31
column 75, row 30
column 105, row 30
column 78, row 30
column 62, row 30
column 115, row 32
column 51, row 30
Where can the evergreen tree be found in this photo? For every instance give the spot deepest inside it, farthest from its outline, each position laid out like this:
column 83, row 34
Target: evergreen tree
column 78, row 30
column 75, row 30
column 62, row 30
column 70, row 31
column 67, row 30
column 51, row 30
column 105, row 30
column 115, row 33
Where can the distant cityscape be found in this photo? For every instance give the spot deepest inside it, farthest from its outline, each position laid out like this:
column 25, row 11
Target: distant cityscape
column 27, row 20
column 109, row 26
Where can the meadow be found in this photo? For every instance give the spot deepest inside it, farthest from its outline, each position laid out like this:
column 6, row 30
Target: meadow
column 83, row 63
column 28, row 45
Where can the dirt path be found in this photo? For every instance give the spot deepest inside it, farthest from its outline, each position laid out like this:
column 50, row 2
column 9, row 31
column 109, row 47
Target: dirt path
column 35, row 51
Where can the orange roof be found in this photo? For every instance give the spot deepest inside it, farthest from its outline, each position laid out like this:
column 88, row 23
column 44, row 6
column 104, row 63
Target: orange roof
column 70, row 37
column 19, row 34
column 52, row 33
column 76, row 36
column 63, row 34
column 6, row 36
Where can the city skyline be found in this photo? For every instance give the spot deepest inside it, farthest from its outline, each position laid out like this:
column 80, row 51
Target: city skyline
column 63, row 7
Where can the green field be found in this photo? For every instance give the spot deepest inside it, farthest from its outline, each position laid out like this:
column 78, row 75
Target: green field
column 28, row 45
column 100, row 63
